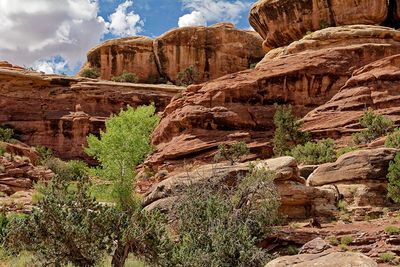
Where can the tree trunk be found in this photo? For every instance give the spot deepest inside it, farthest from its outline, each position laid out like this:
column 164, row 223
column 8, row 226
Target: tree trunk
column 120, row 255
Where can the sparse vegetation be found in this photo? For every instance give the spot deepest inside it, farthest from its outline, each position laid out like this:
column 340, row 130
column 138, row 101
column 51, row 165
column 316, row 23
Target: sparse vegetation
column 346, row 240
column 375, row 126
column 292, row 250
column 187, row 76
column 393, row 139
column 387, row 256
column 392, row 230
column 394, row 179
column 252, row 65
column 44, row 153
column 287, row 131
column 126, row 77
column 323, row 24
column 332, row 240
column 6, row 134
column 232, row 152
column 92, row 73
column 319, row 152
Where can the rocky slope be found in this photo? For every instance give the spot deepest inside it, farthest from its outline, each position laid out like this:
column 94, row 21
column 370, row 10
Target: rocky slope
column 240, row 106
column 212, row 52
column 59, row 112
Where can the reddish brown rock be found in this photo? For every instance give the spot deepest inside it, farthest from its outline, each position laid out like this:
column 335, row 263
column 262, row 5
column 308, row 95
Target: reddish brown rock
column 281, row 22
column 131, row 54
column 240, row 106
column 212, row 51
column 41, row 108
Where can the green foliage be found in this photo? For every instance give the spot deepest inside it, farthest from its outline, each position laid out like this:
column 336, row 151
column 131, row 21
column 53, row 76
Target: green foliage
column 332, row 240
column 66, row 227
column 342, row 205
column 125, row 77
column 287, row 131
column 187, row 76
column 320, row 152
column 220, row 226
column 92, row 73
column 393, row 139
column 6, row 134
column 232, row 152
column 3, row 225
column 387, row 256
column 392, row 230
column 375, row 126
column 2, row 149
column 346, row 240
column 394, row 179
column 344, row 150
column 323, row 24
column 292, row 250
column 44, row 153
column 253, row 65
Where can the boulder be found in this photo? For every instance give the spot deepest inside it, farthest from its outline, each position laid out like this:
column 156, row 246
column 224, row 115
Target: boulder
column 281, row 22
column 325, row 259
column 240, row 106
column 314, row 246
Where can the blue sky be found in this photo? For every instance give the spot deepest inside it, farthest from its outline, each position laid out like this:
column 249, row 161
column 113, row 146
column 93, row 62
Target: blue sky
column 54, row 35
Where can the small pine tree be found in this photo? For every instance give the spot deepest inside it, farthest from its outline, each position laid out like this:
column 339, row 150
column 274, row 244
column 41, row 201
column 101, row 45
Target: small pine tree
column 287, row 131
column 315, row 153
column 394, row 179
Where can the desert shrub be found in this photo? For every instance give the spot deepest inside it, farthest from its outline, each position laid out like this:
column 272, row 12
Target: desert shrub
column 292, row 250
column 125, row 77
column 393, row 139
column 287, row 131
column 392, row 230
column 252, row 65
column 375, row 126
column 92, row 73
column 3, row 225
column 6, row 134
column 346, row 240
column 44, row 153
column 387, row 256
column 332, row 240
column 323, row 24
column 2, row 149
column 315, row 153
column 66, row 227
column 232, row 152
column 187, row 76
column 394, row 179
column 221, row 227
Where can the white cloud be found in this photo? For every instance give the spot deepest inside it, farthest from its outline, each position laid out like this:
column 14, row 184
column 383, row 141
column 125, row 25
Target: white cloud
column 203, row 11
column 50, row 66
column 123, row 23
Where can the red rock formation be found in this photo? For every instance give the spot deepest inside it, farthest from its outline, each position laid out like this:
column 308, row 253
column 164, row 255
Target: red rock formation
column 240, row 106
column 281, row 22
column 212, row 51
column 41, row 108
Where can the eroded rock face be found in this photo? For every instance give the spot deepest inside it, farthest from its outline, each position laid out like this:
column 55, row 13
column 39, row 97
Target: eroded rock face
column 324, row 259
column 376, row 85
column 240, row 106
column 281, row 22
column 212, row 52
column 297, row 199
column 59, row 112
column 359, row 175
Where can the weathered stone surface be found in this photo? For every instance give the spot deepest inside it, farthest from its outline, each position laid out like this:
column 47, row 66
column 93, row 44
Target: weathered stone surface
column 59, row 111
column 132, row 54
column 359, row 175
column 325, row 259
column 297, row 200
column 376, row 85
column 240, row 106
column 315, row 246
column 213, row 51
column 281, row 22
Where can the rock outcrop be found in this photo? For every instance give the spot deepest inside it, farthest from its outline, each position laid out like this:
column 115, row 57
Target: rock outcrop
column 281, row 22
column 376, row 85
column 240, row 106
column 325, row 259
column 59, row 112
column 211, row 51
column 297, row 199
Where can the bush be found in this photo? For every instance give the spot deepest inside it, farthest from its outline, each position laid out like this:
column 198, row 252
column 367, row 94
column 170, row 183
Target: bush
column 221, row 227
column 315, row 153
column 125, row 77
column 346, row 240
column 292, row 250
column 92, row 73
column 387, row 256
column 44, row 153
column 287, row 131
column 375, row 126
column 332, row 240
column 393, row 139
column 394, row 179
column 6, row 134
column 392, row 230
column 323, row 24
column 187, row 76
column 232, row 153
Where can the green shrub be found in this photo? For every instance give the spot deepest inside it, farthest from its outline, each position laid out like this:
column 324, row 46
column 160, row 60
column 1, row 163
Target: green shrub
column 342, row 205
column 44, row 153
column 187, row 76
column 387, row 256
column 292, row 250
column 232, row 153
column 125, row 77
column 394, row 179
column 315, row 153
column 392, row 230
column 323, row 24
column 253, row 65
column 393, row 139
column 375, row 126
column 92, row 73
column 287, row 131
column 2, row 149
column 343, row 247
column 332, row 240
column 6, row 134
column 346, row 240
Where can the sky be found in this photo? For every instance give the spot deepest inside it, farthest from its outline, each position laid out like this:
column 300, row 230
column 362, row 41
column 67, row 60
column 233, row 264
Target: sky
column 54, row 36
